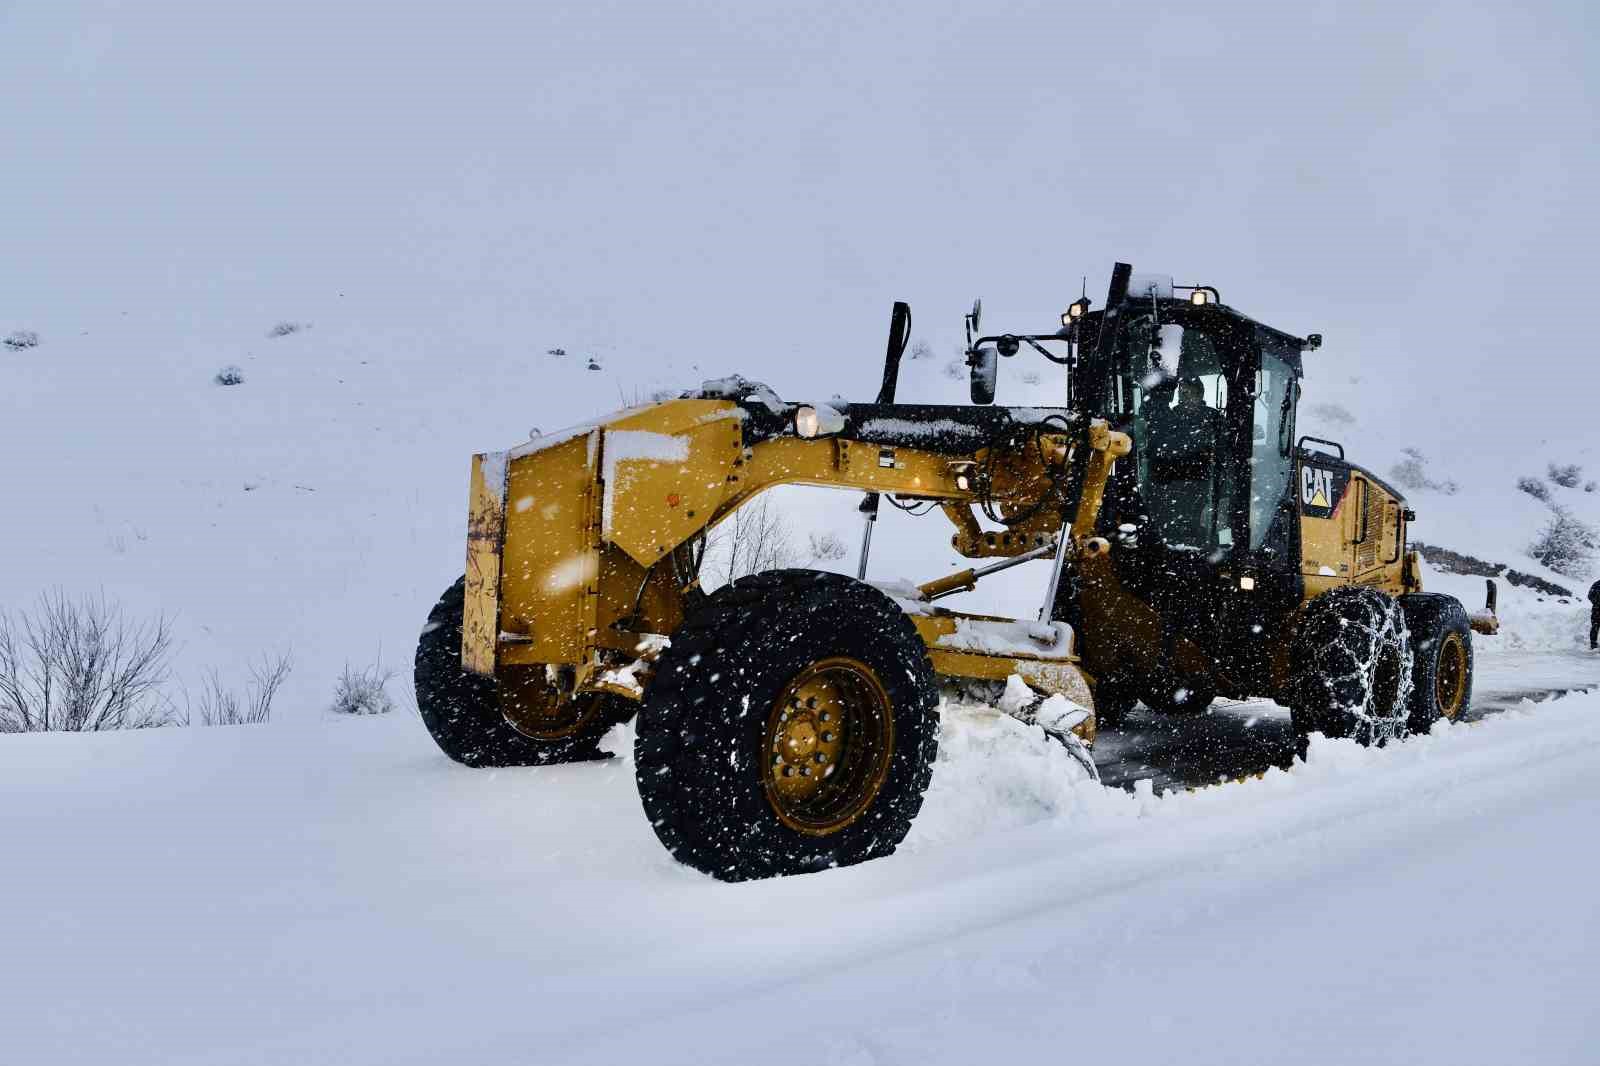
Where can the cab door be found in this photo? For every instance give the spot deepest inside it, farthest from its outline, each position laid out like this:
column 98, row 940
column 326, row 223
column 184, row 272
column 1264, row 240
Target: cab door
column 1325, row 488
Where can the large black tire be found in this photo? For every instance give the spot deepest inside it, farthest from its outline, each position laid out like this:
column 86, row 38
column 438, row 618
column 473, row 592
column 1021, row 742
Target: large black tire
column 1441, row 657
column 1114, row 698
column 1351, row 663
column 711, row 733
column 1189, row 698
column 463, row 713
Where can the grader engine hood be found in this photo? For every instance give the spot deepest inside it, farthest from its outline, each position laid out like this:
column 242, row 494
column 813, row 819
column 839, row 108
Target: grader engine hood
column 545, row 517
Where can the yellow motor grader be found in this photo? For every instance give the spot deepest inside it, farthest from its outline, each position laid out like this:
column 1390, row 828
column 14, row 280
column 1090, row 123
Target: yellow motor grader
column 788, row 721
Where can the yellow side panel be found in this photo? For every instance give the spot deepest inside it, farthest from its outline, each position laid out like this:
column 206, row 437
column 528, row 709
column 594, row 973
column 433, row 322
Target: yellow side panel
column 480, row 619
column 1325, row 549
column 550, row 560
column 667, row 470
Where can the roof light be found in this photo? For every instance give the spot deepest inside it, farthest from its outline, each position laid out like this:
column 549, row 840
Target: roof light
column 1076, row 310
column 1199, row 297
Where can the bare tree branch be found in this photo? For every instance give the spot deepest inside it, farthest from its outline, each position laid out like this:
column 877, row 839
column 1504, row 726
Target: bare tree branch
column 80, row 666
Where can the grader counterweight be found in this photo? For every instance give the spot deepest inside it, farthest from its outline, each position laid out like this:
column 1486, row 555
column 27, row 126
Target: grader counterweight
column 788, row 721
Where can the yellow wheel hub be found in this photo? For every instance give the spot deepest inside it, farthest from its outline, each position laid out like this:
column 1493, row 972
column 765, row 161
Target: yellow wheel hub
column 536, row 708
column 827, row 745
column 1450, row 678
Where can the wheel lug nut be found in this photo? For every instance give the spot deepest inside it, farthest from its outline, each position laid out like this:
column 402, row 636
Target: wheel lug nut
column 805, row 771
column 811, row 701
column 788, row 771
column 826, row 717
column 822, row 757
column 827, row 738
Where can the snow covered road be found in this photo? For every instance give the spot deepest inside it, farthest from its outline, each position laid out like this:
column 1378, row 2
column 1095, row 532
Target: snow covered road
column 1242, row 737
column 335, row 891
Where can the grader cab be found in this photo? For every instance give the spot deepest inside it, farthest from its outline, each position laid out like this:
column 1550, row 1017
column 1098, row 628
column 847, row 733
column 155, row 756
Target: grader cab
column 788, row 721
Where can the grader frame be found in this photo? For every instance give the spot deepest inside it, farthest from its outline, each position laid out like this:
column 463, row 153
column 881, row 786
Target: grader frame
column 581, row 556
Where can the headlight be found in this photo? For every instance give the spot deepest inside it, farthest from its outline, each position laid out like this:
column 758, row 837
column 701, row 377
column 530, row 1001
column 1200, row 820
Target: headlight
column 815, row 421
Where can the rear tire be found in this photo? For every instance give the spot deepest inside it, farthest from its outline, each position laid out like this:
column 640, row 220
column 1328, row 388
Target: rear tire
column 463, row 710
column 1351, row 661
column 1442, row 658
column 734, row 722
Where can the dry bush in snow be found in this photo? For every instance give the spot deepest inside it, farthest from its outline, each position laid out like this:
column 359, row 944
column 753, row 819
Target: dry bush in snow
column 1333, row 413
column 216, row 705
column 827, row 546
column 1566, row 544
column 1412, row 473
column 21, row 340
column 1534, row 487
column 229, row 375
column 920, row 350
column 1567, row 475
column 80, row 666
column 364, row 691
column 283, row 329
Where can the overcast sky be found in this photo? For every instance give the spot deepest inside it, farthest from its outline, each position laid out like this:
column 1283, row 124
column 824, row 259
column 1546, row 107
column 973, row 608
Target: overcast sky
column 1415, row 181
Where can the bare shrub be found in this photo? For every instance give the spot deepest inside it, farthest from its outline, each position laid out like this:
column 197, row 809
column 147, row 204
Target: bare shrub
column 1534, row 487
column 1336, row 414
column 827, row 546
column 754, row 538
column 363, row 691
column 229, row 375
column 1411, row 472
column 1567, row 475
column 80, row 666
column 1566, row 544
column 21, row 340
column 1591, row 486
column 921, row 350
column 216, row 705
column 557, row 352
column 284, row 329
column 955, row 369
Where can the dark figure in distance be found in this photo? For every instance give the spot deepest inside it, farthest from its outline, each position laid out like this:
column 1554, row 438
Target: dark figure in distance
column 1594, row 615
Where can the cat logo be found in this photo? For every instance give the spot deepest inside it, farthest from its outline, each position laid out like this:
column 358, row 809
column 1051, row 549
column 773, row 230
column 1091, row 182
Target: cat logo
column 1320, row 489
column 1316, row 487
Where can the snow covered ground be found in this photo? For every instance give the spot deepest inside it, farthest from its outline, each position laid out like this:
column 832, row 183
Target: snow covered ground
column 327, row 890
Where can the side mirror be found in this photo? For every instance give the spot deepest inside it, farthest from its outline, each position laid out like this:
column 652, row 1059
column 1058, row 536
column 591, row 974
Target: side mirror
column 984, row 364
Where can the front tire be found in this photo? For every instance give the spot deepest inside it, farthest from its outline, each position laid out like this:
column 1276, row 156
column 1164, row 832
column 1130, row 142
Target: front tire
column 791, row 726
column 1351, row 661
column 1114, row 700
column 1188, row 699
